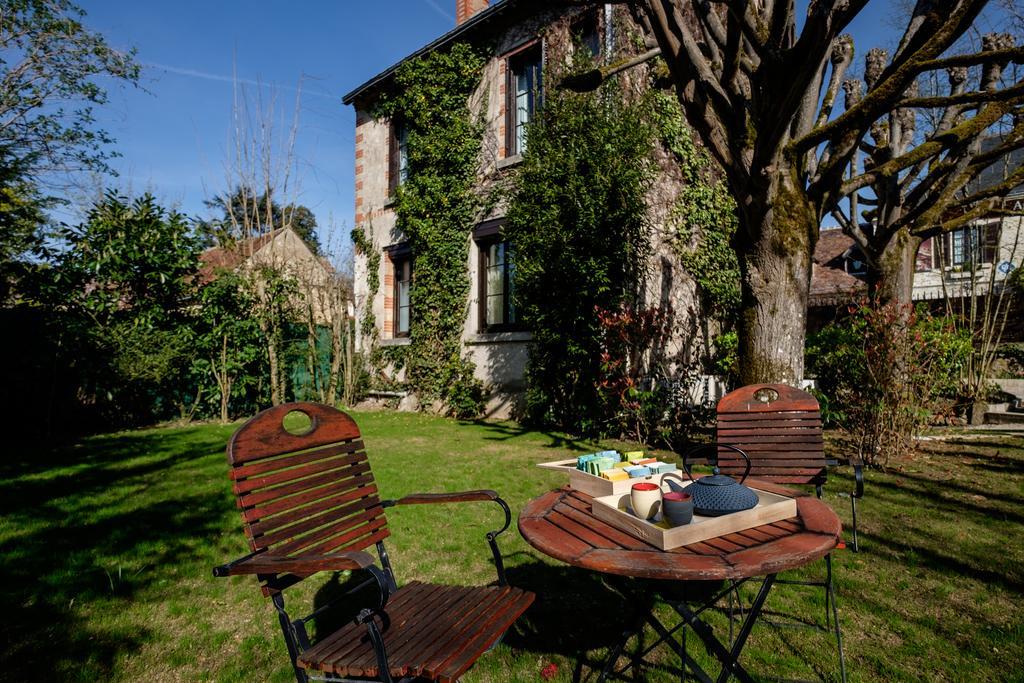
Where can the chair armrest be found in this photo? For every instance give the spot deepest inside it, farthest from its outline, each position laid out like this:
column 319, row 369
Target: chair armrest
column 458, row 497
column 858, row 473
column 481, row 495
column 267, row 563
column 858, row 476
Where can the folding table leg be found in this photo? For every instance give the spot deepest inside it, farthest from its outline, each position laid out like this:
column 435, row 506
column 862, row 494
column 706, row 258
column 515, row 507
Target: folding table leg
column 633, row 629
column 729, row 659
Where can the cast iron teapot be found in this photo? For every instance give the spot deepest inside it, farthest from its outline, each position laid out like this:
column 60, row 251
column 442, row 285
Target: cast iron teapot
column 718, row 494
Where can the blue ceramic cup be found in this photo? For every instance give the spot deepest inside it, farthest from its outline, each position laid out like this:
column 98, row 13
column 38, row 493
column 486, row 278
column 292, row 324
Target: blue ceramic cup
column 677, row 506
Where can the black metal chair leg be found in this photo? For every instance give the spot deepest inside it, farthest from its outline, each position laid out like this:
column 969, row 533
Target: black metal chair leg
column 830, row 599
column 289, row 638
column 853, row 507
column 839, row 638
column 828, row 588
column 731, row 637
column 682, row 654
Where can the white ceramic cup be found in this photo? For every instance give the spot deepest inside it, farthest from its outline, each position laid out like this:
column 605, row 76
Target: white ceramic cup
column 645, row 499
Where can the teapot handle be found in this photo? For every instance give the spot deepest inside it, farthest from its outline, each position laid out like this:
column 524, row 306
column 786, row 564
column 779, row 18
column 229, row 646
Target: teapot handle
column 714, row 446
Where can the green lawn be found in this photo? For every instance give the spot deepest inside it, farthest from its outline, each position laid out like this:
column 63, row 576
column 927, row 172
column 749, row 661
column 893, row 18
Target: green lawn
column 106, row 548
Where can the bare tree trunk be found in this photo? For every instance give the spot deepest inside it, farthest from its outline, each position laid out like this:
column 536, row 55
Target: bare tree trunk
column 338, row 315
column 891, row 281
column 311, row 353
column 350, row 368
column 891, row 285
column 774, row 244
column 224, row 380
column 225, row 393
column 270, row 330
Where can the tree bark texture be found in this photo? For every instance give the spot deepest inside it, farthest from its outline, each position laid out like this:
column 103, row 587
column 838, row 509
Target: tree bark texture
column 224, row 379
column 276, row 390
column 774, row 244
column 894, row 275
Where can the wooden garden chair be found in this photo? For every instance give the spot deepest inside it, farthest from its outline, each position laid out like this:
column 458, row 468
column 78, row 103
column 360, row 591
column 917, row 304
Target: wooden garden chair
column 309, row 503
column 779, row 428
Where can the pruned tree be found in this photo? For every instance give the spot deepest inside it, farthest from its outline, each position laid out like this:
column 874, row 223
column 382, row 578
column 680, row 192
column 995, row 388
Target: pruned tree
column 762, row 95
column 918, row 173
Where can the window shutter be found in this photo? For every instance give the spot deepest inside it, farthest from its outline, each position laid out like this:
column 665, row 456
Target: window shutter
column 990, row 243
column 924, row 259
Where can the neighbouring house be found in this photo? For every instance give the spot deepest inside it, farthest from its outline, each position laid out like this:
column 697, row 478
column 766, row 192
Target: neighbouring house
column 316, row 339
column 975, row 259
column 520, row 37
column 283, row 250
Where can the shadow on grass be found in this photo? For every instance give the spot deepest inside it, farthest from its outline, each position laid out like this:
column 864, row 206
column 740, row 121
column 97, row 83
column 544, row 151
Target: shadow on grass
column 578, row 614
column 96, row 468
column 503, row 431
column 953, row 566
column 923, row 488
column 68, row 562
column 977, row 459
column 582, row 615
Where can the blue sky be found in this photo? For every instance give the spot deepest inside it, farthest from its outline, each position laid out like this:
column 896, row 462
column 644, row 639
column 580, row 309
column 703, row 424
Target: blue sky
column 175, row 131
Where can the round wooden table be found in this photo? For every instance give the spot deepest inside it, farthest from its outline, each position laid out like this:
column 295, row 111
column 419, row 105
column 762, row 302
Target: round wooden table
column 561, row 525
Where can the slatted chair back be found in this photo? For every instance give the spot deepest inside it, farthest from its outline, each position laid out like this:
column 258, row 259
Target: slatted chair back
column 779, row 427
column 308, row 493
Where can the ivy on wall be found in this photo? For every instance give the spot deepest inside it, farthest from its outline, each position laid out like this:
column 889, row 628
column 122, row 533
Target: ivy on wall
column 364, row 247
column 704, row 221
column 577, row 220
column 435, row 208
column 704, row 215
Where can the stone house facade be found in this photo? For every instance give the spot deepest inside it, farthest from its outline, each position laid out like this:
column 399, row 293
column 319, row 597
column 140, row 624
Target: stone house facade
column 522, row 37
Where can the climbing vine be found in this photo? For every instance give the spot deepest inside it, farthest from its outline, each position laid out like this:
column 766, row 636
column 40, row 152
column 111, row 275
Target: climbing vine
column 435, row 207
column 577, row 220
column 704, row 215
column 364, row 247
column 704, row 221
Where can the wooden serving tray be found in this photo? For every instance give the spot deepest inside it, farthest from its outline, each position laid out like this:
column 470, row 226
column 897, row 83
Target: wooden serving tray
column 597, row 486
column 614, row 509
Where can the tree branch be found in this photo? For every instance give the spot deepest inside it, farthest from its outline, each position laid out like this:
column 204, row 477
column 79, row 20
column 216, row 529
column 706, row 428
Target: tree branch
column 942, row 141
column 974, row 97
column 1013, row 54
column 896, row 77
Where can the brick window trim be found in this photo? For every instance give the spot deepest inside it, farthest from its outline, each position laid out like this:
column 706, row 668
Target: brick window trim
column 396, row 254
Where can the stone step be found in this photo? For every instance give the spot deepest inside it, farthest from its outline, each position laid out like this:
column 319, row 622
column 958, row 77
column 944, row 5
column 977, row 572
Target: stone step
column 1007, row 418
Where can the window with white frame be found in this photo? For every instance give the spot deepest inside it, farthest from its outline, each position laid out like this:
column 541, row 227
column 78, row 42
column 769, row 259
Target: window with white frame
column 970, row 246
column 401, row 310
column 496, row 281
column 524, row 93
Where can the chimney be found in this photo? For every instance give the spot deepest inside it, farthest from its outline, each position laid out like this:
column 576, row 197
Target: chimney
column 464, row 9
